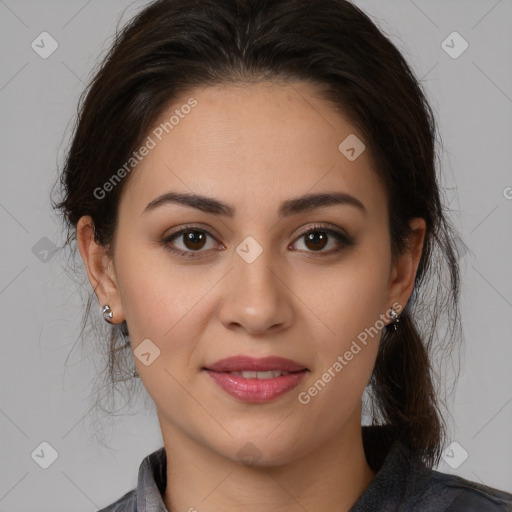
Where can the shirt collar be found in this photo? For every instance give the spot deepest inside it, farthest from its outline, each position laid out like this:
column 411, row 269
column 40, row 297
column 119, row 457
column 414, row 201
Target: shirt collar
column 401, row 477
column 152, row 481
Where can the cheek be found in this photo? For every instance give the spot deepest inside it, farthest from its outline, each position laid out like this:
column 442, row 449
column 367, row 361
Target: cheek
column 346, row 356
column 349, row 299
column 168, row 305
column 350, row 304
column 156, row 295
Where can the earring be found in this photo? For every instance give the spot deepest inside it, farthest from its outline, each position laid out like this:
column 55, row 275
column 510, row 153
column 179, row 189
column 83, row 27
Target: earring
column 107, row 313
column 395, row 319
column 107, row 316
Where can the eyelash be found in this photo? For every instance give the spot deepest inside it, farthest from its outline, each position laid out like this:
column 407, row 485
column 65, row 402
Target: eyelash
column 344, row 240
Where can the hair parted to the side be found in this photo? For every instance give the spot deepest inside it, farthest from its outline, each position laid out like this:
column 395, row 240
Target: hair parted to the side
column 172, row 46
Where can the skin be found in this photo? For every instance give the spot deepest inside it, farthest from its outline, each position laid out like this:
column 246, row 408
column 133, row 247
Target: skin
column 253, row 147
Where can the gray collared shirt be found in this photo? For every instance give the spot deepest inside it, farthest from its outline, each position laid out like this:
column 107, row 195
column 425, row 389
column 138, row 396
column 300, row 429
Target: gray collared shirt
column 402, row 483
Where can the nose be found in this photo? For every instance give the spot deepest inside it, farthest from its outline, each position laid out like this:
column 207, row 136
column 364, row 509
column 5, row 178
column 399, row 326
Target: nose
column 256, row 296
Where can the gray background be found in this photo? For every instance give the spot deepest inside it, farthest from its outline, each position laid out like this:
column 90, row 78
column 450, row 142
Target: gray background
column 45, row 394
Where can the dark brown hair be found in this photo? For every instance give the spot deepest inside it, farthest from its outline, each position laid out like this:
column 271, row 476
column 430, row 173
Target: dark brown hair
column 172, row 46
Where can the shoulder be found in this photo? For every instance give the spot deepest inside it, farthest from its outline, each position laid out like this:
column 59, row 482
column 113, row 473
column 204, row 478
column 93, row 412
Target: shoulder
column 126, row 503
column 403, row 482
column 468, row 496
column 151, row 483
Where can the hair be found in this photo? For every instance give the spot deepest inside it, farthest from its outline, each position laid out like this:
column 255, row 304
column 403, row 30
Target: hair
column 172, row 46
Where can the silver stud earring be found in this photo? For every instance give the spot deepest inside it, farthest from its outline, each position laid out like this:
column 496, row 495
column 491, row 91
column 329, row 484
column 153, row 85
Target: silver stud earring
column 107, row 313
column 395, row 319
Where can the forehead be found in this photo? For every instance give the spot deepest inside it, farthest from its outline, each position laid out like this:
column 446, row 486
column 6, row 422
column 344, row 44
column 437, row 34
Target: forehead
column 261, row 142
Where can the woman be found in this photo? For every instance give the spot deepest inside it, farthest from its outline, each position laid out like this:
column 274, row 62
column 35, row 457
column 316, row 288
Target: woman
column 252, row 186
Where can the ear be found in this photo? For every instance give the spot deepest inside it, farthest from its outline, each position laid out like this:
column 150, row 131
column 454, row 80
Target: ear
column 403, row 273
column 100, row 268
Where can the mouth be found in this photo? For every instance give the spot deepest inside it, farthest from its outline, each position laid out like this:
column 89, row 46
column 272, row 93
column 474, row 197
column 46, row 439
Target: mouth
column 256, row 380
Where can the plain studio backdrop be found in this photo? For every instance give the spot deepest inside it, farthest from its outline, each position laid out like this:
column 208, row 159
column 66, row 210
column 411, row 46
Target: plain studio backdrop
column 462, row 51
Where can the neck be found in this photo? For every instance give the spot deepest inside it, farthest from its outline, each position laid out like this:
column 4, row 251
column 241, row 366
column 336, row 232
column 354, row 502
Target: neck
column 331, row 477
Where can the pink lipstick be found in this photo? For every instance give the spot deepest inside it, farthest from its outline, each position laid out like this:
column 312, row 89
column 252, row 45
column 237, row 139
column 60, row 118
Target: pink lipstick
column 256, row 380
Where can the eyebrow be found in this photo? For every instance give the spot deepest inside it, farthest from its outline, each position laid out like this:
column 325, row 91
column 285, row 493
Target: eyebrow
column 289, row 207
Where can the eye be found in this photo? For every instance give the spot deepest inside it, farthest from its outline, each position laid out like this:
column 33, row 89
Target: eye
column 194, row 240
column 318, row 237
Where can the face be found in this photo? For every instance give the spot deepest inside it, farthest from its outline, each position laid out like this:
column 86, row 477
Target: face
column 264, row 275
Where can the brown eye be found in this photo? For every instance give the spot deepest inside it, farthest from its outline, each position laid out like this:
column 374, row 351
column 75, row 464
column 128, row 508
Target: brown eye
column 317, row 238
column 194, row 240
column 191, row 241
column 188, row 241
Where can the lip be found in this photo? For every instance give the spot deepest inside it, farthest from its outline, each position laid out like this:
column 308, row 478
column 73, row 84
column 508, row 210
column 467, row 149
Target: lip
column 247, row 363
column 252, row 389
column 256, row 390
